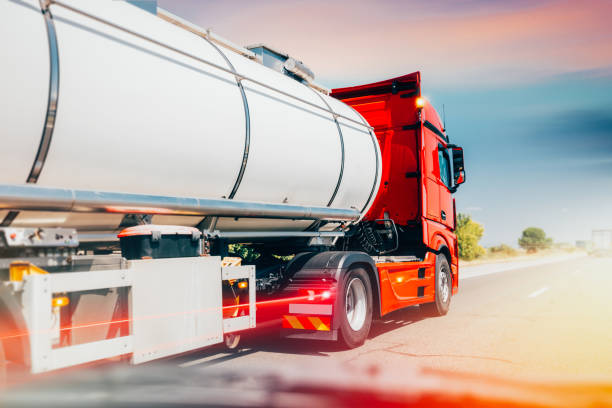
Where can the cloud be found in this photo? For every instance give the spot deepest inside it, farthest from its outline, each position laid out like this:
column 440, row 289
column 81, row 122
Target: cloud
column 581, row 136
column 472, row 42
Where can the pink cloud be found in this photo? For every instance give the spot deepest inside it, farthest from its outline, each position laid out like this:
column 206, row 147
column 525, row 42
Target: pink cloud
column 348, row 41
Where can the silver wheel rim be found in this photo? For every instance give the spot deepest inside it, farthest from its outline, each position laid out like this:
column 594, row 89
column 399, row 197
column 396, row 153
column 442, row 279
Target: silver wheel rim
column 356, row 304
column 444, row 286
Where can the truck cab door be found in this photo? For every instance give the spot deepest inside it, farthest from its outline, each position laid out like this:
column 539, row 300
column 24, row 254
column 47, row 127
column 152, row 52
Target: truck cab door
column 445, row 185
column 431, row 176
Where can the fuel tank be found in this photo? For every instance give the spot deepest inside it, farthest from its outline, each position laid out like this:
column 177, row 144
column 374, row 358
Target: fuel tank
column 101, row 95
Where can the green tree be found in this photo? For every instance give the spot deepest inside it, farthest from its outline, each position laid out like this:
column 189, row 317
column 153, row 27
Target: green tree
column 533, row 239
column 469, row 233
column 247, row 253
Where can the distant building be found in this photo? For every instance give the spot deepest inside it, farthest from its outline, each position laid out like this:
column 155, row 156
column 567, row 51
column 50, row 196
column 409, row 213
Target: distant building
column 602, row 239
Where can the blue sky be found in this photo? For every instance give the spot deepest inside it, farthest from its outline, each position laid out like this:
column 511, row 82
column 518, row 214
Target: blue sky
column 527, row 87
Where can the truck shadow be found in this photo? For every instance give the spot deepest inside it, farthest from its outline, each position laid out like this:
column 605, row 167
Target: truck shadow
column 267, row 339
column 270, row 341
column 395, row 320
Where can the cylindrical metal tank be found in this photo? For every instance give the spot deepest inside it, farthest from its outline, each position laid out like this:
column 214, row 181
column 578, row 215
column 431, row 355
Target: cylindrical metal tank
column 100, row 108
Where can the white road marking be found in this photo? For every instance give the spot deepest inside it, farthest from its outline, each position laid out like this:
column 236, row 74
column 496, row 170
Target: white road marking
column 538, row 292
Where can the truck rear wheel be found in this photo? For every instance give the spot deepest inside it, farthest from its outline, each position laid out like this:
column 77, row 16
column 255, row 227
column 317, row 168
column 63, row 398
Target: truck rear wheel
column 443, row 289
column 354, row 306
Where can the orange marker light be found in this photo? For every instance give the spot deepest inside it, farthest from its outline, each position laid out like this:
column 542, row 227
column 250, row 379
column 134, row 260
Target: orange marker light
column 420, row 102
column 243, row 284
column 60, row 301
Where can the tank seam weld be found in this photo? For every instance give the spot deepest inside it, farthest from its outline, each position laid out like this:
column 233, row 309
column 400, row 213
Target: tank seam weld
column 51, row 113
column 375, row 143
column 341, row 147
column 317, row 223
column 247, row 140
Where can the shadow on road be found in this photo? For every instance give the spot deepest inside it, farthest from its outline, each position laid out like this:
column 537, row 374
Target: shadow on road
column 395, row 320
column 267, row 339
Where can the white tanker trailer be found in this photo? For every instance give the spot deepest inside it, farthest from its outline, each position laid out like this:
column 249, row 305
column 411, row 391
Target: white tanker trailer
column 132, row 104
column 137, row 147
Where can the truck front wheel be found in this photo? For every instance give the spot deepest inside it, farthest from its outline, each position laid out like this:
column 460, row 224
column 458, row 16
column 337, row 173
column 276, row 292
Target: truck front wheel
column 443, row 289
column 354, row 306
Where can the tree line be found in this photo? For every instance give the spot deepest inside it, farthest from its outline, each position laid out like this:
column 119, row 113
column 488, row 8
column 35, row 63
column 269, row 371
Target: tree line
column 469, row 233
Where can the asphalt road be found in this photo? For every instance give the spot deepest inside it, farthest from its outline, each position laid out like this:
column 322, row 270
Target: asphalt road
column 548, row 320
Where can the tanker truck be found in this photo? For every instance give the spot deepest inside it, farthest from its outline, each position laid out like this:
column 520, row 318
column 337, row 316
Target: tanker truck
column 163, row 190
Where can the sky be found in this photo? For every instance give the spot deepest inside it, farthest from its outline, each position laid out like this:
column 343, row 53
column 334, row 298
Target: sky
column 526, row 86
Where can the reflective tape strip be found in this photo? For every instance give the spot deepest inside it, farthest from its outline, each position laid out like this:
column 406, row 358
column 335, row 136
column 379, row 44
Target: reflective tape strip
column 293, row 322
column 310, row 309
column 319, row 323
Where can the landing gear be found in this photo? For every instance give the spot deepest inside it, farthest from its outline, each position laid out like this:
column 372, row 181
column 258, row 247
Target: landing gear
column 443, row 289
column 355, row 307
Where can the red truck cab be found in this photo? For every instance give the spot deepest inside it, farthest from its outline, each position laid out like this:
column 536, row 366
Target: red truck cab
column 420, row 171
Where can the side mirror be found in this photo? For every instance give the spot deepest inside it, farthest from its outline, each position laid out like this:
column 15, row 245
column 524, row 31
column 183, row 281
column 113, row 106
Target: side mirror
column 458, row 165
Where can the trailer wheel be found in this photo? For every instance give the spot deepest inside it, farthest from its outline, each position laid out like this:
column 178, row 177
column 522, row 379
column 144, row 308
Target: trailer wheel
column 443, row 289
column 354, row 307
column 231, row 341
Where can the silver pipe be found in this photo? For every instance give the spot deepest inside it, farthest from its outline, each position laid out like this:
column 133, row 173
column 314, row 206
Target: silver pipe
column 211, row 64
column 275, row 234
column 87, row 237
column 37, row 198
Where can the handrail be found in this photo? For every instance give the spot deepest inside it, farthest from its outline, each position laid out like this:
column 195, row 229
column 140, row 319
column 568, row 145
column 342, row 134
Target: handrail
column 239, row 77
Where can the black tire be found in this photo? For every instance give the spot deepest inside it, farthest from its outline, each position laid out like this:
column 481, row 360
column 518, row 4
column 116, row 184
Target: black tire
column 354, row 321
column 442, row 300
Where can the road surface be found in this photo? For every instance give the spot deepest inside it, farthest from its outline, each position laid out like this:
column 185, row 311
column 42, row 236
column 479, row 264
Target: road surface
column 546, row 320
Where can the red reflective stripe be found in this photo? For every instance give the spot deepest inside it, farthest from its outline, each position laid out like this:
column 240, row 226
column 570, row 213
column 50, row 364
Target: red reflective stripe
column 306, row 322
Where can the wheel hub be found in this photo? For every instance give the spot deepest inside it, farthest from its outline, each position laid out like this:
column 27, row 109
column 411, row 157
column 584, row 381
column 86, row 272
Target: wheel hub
column 356, row 304
column 444, row 286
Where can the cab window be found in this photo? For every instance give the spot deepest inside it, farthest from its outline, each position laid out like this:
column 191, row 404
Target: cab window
column 444, row 161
